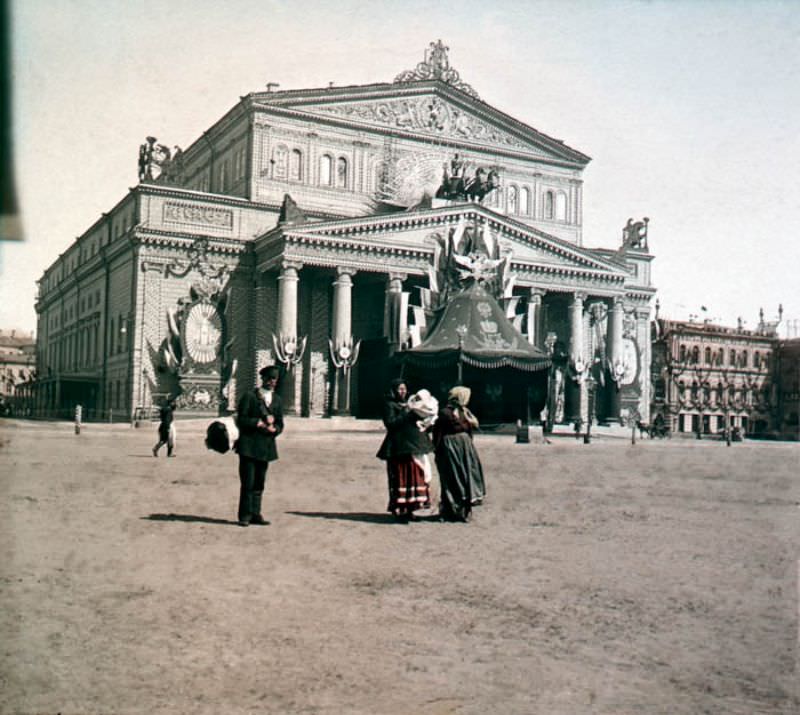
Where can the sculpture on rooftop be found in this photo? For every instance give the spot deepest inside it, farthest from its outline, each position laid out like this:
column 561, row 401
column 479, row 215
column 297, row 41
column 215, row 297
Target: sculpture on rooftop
column 436, row 66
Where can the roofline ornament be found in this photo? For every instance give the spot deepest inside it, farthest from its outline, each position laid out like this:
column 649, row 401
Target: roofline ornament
column 436, row 66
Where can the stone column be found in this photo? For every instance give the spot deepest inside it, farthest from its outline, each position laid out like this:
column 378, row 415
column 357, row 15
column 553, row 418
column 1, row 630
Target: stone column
column 287, row 329
column 287, row 299
column 341, row 332
column 394, row 320
column 535, row 316
column 614, row 343
column 576, row 391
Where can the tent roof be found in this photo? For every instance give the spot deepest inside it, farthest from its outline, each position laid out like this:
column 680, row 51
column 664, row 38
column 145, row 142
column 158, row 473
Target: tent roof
column 489, row 339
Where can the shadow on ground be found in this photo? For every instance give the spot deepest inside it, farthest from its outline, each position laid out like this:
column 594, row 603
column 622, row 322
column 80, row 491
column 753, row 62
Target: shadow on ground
column 367, row 517
column 189, row 518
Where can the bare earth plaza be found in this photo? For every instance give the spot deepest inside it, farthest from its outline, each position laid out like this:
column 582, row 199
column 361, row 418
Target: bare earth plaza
column 669, row 585
column 637, row 549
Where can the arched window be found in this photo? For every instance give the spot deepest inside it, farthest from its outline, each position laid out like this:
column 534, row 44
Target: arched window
column 280, row 160
column 695, row 388
column 721, row 357
column 296, row 165
column 549, row 205
column 513, row 193
column 341, row 173
column 683, row 353
column 524, row 201
column 732, row 357
column 681, row 389
column 326, row 170
column 561, row 206
column 708, row 356
column 695, row 355
column 744, row 358
column 756, row 359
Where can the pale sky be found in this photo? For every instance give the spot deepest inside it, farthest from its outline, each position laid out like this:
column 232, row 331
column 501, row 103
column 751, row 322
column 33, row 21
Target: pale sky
column 688, row 110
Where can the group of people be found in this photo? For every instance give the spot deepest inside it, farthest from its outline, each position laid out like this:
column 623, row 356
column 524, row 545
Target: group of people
column 412, row 434
column 415, row 429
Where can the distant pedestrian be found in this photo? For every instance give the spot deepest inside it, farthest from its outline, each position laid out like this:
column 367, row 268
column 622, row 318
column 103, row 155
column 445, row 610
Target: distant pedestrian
column 166, row 428
column 460, row 469
column 404, row 449
column 259, row 416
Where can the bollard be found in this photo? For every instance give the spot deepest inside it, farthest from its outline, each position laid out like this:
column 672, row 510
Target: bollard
column 78, row 415
column 523, row 433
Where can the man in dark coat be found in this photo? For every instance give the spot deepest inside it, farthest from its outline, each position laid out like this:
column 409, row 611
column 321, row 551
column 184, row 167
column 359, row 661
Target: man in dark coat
column 166, row 428
column 259, row 417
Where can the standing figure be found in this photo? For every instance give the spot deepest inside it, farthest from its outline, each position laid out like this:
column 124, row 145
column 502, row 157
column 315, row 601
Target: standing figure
column 404, row 449
column 166, row 428
column 460, row 469
column 259, row 416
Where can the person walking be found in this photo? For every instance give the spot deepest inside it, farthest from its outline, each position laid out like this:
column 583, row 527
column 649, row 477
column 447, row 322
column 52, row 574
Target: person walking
column 259, row 416
column 166, row 428
column 404, row 448
column 457, row 461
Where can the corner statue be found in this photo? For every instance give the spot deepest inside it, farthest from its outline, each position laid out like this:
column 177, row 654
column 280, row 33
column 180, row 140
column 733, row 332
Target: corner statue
column 634, row 235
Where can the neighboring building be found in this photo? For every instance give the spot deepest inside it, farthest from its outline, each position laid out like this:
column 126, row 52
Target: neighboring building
column 706, row 377
column 788, row 388
column 17, row 367
column 303, row 228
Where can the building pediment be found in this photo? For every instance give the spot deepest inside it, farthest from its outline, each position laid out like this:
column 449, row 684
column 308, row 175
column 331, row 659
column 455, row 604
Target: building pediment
column 420, row 233
column 429, row 110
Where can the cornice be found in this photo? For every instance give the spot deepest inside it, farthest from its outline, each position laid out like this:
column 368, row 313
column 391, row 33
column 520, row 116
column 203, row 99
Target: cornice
column 158, row 237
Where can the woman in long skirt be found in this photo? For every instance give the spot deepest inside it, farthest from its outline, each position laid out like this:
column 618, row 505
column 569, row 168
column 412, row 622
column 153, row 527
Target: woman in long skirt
column 460, row 469
column 404, row 449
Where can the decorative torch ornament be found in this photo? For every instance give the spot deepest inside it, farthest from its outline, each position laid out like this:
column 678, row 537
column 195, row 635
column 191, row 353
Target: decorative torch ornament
column 345, row 355
column 289, row 349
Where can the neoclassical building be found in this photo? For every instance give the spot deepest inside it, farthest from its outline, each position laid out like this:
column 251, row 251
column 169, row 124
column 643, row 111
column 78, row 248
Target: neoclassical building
column 707, row 377
column 303, row 227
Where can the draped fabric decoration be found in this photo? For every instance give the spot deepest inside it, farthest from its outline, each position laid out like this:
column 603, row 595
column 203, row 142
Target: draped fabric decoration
column 473, row 329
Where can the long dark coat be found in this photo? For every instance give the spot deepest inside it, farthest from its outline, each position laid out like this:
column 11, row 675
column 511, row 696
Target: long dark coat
column 402, row 434
column 257, row 443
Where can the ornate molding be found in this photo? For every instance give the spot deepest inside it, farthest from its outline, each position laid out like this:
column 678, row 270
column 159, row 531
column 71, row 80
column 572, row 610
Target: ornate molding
column 429, row 116
column 436, row 66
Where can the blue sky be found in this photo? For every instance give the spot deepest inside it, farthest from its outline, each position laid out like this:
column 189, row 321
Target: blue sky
column 688, row 110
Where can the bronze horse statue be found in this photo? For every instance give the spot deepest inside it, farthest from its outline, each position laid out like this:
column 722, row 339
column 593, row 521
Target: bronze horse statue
column 481, row 184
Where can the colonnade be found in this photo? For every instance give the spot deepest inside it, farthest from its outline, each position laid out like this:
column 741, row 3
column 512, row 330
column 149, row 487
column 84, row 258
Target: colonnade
column 395, row 328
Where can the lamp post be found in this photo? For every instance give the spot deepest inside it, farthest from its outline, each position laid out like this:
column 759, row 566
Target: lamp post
column 582, row 374
column 344, row 357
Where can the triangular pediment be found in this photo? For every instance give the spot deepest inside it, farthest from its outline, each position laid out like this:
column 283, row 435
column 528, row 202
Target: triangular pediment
column 425, row 229
column 430, row 110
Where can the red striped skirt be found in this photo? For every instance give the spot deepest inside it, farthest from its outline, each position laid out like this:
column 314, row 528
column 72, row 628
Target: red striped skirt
column 407, row 488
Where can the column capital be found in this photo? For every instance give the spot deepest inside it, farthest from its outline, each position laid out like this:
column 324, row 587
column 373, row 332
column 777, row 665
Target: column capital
column 345, row 271
column 537, row 293
column 617, row 303
column 287, row 265
column 579, row 296
column 396, row 276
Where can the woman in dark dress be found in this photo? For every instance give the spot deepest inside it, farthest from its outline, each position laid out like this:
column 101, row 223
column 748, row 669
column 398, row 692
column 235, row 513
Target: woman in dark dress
column 460, row 470
column 404, row 449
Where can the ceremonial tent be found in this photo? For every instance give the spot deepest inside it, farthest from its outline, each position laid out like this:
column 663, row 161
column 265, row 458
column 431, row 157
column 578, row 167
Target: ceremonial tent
column 472, row 342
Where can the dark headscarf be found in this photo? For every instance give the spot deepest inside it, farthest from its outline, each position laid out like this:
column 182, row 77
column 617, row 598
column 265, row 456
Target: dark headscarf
column 394, row 384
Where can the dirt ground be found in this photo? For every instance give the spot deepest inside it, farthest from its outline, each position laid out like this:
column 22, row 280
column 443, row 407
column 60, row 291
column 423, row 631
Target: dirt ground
column 602, row 578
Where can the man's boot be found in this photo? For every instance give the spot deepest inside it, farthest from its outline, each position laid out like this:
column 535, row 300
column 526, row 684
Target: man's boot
column 255, row 509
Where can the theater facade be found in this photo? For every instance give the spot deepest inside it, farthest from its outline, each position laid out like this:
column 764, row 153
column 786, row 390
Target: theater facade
column 304, row 227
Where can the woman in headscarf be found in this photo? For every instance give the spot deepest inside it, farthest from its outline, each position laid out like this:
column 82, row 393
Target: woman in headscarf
column 460, row 470
column 403, row 449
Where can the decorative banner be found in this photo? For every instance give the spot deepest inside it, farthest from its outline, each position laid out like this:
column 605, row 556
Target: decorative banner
column 203, row 332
